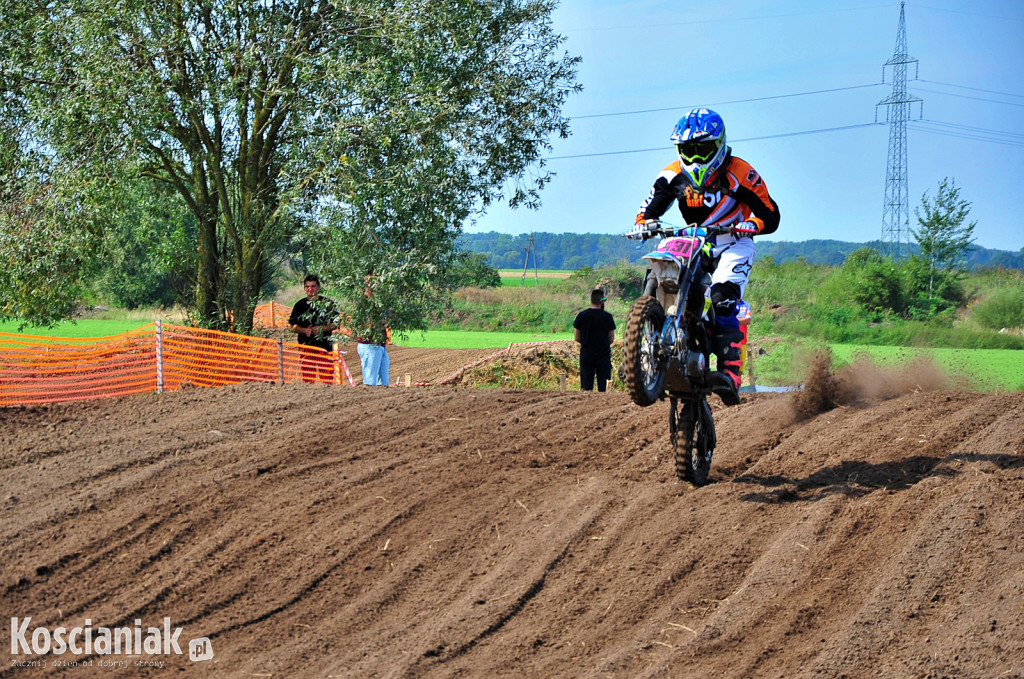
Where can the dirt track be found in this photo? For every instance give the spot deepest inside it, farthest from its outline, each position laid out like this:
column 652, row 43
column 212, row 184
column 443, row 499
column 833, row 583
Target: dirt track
column 422, row 365
column 369, row 532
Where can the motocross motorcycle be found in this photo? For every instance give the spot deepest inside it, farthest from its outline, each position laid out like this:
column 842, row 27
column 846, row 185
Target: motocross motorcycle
column 668, row 342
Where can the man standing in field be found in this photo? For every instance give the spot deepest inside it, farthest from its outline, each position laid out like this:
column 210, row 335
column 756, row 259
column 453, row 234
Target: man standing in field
column 313, row 319
column 595, row 332
column 373, row 342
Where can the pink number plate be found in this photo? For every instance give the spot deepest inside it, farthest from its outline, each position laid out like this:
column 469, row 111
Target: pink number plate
column 679, row 247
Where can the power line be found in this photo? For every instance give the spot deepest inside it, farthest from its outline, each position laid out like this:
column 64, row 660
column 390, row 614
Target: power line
column 972, row 137
column 769, row 136
column 977, row 14
column 973, row 129
column 966, row 96
column 966, row 135
column 976, row 89
column 723, row 103
column 964, row 132
column 731, row 18
column 802, row 132
column 810, row 92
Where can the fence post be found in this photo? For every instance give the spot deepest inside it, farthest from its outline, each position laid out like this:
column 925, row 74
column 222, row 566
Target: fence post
column 159, row 357
column 337, row 364
column 280, row 359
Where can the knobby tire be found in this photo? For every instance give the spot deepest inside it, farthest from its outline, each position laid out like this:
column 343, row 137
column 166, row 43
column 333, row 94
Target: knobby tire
column 691, row 440
column 644, row 381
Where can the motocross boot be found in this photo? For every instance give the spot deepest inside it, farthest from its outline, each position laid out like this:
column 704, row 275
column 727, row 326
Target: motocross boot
column 726, row 380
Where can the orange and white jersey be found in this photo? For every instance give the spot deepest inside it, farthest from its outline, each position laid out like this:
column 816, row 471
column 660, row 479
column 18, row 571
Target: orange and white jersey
column 739, row 195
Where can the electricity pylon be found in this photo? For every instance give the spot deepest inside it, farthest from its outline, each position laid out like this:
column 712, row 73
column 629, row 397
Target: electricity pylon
column 896, row 210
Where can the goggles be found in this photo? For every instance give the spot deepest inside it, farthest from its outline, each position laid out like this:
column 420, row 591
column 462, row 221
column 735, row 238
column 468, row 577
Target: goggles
column 698, row 150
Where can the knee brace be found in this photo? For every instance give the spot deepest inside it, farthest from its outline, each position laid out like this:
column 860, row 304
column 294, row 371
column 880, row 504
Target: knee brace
column 725, row 297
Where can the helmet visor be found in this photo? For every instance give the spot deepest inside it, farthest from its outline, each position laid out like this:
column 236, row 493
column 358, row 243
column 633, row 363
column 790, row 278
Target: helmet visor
column 697, row 150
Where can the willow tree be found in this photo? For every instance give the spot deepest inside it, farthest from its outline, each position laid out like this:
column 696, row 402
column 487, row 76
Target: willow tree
column 265, row 116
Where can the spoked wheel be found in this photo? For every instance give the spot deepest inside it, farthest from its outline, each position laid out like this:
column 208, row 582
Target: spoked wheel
column 692, row 430
column 644, row 376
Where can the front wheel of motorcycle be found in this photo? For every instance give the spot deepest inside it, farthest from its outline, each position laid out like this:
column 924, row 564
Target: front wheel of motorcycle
column 644, row 372
column 690, row 429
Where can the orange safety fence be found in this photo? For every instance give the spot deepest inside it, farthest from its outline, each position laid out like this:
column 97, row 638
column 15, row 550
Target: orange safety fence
column 40, row 369
column 271, row 315
column 155, row 357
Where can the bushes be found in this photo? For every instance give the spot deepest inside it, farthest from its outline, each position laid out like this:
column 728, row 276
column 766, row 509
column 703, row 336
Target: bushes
column 622, row 280
column 470, row 270
column 790, row 286
column 882, row 289
column 870, row 299
column 510, row 309
column 1004, row 308
column 548, row 308
column 871, row 281
column 929, row 292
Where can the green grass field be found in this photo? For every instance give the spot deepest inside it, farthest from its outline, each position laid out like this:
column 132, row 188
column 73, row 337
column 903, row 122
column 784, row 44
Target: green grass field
column 985, row 369
column 463, row 339
column 435, row 339
column 82, row 328
column 519, row 272
column 544, row 277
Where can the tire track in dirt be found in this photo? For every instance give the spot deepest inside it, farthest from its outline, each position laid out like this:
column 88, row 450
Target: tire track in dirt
column 531, row 579
column 393, row 532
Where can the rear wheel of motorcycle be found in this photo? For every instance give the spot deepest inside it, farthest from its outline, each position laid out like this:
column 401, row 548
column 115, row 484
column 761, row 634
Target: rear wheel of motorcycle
column 644, row 378
column 691, row 441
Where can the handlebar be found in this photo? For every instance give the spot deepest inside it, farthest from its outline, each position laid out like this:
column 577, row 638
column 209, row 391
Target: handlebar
column 656, row 228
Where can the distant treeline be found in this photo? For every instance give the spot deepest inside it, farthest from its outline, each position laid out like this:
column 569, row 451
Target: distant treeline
column 573, row 251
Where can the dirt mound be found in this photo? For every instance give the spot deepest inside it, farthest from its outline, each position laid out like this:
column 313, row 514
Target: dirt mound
column 337, row 532
column 527, row 367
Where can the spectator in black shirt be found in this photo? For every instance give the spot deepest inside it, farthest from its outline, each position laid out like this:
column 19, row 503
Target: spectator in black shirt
column 313, row 319
column 595, row 332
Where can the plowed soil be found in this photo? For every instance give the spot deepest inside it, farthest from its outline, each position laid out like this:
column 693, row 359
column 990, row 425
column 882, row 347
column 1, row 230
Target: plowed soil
column 319, row 531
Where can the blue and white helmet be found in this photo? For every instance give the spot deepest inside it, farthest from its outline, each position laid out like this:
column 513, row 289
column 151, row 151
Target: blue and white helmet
column 700, row 140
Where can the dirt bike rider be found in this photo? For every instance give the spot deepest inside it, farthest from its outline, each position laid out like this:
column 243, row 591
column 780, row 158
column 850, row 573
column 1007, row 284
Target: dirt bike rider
column 715, row 188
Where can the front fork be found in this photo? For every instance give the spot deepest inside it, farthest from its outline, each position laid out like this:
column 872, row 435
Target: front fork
column 674, row 345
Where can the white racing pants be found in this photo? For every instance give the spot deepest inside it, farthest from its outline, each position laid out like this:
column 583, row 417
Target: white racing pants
column 736, row 257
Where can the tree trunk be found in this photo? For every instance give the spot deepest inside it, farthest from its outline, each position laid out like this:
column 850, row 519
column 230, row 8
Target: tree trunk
column 931, row 277
column 249, row 282
column 206, row 276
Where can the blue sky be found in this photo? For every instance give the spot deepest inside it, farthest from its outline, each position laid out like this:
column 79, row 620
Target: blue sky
column 663, row 54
